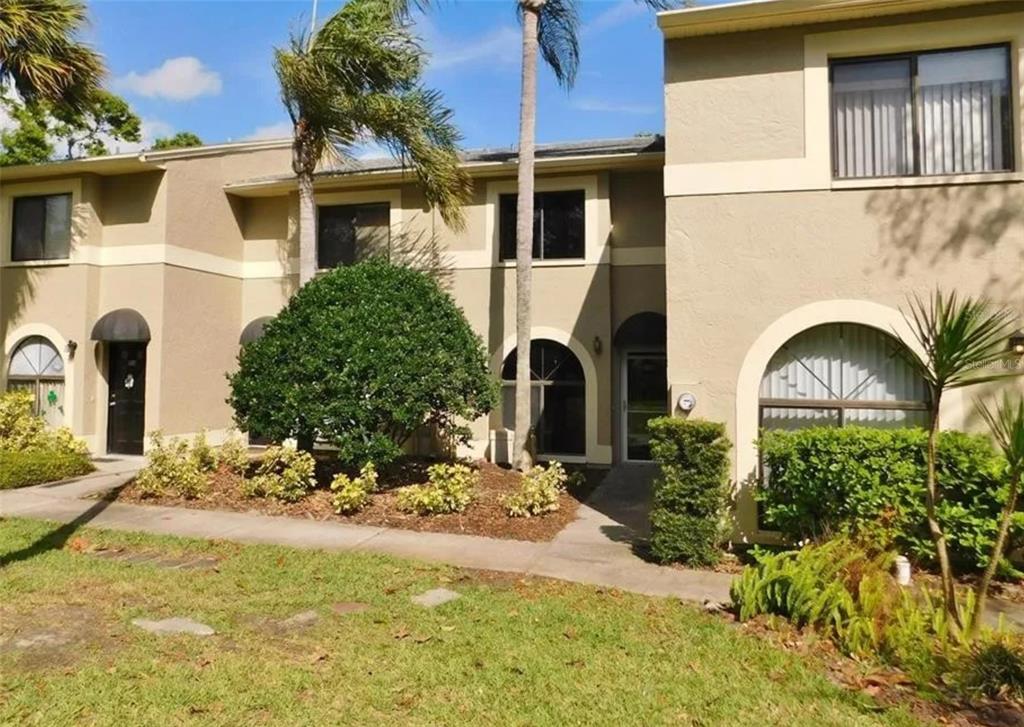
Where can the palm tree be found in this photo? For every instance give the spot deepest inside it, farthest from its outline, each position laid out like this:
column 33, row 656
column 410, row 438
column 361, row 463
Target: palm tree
column 551, row 27
column 358, row 78
column 960, row 338
column 1006, row 423
column 39, row 55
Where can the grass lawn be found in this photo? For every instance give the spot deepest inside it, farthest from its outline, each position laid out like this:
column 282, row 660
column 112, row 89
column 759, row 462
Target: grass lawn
column 507, row 652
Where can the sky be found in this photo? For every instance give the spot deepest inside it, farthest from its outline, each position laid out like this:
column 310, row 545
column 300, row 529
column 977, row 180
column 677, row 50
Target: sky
column 205, row 66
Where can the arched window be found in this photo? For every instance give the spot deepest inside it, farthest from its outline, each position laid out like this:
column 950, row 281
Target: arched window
column 38, row 368
column 557, row 398
column 841, row 374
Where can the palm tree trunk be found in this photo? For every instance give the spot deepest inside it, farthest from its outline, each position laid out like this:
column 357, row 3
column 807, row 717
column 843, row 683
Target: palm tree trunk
column 934, row 526
column 997, row 553
column 521, row 456
column 307, row 228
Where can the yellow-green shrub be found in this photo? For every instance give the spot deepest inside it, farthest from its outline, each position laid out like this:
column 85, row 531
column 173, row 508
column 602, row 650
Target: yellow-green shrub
column 35, row 466
column 171, row 468
column 539, row 492
column 233, row 454
column 202, row 453
column 284, row 474
column 450, row 489
column 352, row 494
column 34, row 453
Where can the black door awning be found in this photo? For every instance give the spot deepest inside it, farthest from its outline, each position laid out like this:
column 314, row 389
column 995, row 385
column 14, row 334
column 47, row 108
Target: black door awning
column 254, row 330
column 123, row 324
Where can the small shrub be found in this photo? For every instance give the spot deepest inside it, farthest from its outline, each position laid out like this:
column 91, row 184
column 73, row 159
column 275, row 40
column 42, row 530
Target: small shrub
column 869, row 483
column 450, row 489
column 539, row 491
column 202, row 453
column 351, row 495
column 19, row 427
column 993, row 668
column 284, row 474
column 691, row 493
column 171, row 468
column 234, row 454
column 36, row 466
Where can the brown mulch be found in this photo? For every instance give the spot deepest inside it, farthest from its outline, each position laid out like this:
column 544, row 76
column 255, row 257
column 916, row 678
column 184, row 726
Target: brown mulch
column 484, row 515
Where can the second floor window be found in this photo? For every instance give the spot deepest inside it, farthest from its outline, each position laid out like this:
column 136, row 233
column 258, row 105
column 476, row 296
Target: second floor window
column 941, row 112
column 351, row 232
column 557, row 225
column 41, row 228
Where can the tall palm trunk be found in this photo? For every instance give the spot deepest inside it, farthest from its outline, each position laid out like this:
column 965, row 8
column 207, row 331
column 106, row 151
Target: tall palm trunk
column 997, row 552
column 304, row 165
column 934, row 527
column 522, row 457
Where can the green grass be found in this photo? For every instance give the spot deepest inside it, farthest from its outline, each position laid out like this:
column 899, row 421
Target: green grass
column 508, row 652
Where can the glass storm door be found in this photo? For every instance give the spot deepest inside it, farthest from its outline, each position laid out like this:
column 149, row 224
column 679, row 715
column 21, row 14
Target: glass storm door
column 645, row 396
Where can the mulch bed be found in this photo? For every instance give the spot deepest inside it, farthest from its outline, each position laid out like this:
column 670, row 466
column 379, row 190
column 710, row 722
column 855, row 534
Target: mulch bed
column 484, row 515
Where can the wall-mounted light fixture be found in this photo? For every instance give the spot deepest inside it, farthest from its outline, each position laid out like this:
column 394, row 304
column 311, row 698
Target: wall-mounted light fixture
column 1016, row 342
column 72, row 347
column 598, row 344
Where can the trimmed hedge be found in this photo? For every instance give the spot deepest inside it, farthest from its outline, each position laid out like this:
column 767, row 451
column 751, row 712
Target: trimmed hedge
column 691, row 494
column 34, row 467
column 870, row 483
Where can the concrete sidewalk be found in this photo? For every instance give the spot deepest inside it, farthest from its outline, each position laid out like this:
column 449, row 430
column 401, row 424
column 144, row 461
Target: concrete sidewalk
column 596, row 549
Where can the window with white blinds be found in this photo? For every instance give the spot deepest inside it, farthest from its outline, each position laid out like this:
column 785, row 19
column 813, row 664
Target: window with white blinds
column 842, row 374
column 941, row 112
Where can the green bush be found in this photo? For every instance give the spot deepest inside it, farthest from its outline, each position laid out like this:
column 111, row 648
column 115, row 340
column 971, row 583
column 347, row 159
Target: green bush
column 870, row 483
column 362, row 357
column 539, row 492
column 450, row 489
column 234, row 454
column 202, row 453
column 35, row 466
column 284, row 474
column 691, row 493
column 352, row 494
column 993, row 668
column 171, row 468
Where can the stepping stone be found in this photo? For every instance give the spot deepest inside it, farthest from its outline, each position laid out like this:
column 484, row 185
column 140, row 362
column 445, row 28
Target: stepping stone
column 343, row 608
column 301, row 620
column 41, row 640
column 434, row 597
column 176, row 625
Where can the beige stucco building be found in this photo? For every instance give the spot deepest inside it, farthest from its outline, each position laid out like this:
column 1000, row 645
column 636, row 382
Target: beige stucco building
column 822, row 161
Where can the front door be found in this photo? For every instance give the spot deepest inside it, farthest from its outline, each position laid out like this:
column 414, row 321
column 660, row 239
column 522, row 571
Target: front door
column 645, row 396
column 126, row 413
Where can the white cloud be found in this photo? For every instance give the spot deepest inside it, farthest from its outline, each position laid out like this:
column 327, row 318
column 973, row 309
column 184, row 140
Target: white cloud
column 176, row 79
column 614, row 107
column 498, row 47
column 279, row 130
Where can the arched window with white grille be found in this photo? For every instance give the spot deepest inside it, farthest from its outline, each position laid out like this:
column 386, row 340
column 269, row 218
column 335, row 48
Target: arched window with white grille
column 37, row 367
column 841, row 374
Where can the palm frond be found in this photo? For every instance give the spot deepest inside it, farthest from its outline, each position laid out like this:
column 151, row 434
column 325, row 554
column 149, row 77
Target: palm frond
column 1006, row 423
column 961, row 337
column 558, row 38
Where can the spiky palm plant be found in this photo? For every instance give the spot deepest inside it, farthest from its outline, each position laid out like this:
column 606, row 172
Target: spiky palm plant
column 39, row 55
column 1006, row 423
column 960, row 338
column 357, row 79
column 552, row 28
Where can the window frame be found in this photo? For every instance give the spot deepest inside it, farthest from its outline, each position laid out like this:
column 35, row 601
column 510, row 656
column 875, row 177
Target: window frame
column 38, row 379
column 45, row 259
column 375, row 202
column 539, row 239
column 1008, row 130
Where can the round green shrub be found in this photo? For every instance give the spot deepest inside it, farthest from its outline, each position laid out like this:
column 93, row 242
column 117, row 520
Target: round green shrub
column 361, row 357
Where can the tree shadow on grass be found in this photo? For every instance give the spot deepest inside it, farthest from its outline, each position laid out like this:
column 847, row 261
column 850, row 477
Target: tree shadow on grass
column 58, row 538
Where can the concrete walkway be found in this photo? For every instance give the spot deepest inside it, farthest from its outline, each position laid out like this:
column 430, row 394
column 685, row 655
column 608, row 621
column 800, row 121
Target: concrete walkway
column 596, row 549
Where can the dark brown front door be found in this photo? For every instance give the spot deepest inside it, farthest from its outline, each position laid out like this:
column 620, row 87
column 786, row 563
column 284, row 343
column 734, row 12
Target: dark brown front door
column 126, row 413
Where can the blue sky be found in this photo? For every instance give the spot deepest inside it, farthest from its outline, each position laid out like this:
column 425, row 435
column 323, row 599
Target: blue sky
column 205, row 66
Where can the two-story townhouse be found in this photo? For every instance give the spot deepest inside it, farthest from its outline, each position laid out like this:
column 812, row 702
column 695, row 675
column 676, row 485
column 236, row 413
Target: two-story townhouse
column 128, row 283
column 826, row 159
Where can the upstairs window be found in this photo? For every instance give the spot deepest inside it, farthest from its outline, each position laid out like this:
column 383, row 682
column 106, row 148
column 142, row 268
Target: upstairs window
column 937, row 112
column 351, row 232
column 557, row 225
column 42, row 228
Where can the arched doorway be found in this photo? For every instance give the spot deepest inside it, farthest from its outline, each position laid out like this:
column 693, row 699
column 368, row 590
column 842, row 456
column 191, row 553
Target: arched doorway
column 37, row 367
column 643, row 381
column 557, row 398
column 840, row 374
